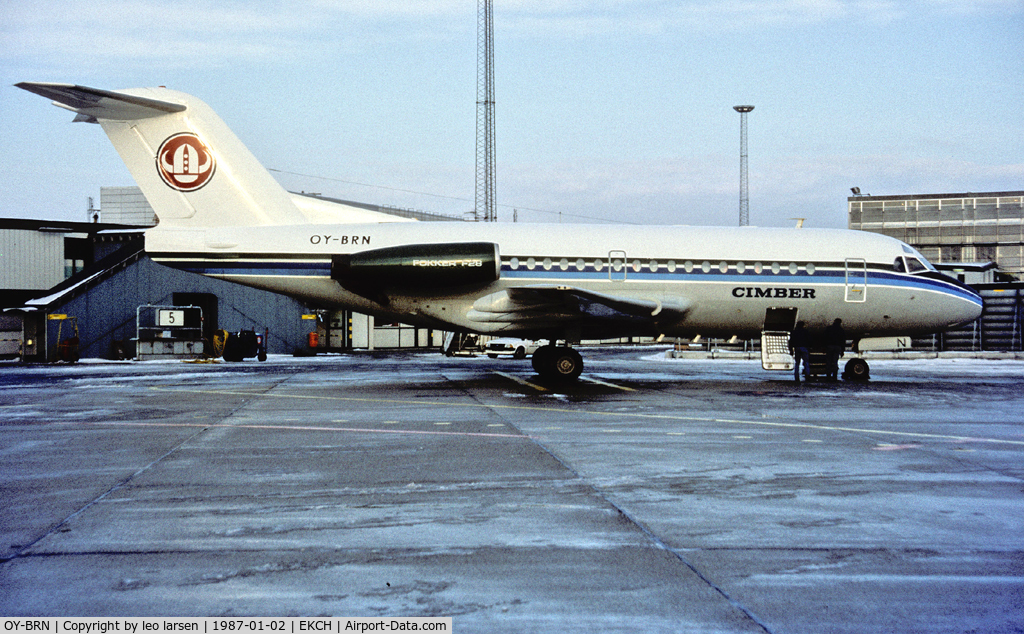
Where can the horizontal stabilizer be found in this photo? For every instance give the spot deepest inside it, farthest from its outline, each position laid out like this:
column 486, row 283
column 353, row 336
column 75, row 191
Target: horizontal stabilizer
column 93, row 104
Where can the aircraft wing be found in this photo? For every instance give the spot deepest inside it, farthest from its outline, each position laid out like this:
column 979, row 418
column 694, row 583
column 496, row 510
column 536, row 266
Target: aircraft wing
column 547, row 306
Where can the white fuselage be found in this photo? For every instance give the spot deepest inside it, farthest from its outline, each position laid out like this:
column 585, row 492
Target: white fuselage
column 728, row 277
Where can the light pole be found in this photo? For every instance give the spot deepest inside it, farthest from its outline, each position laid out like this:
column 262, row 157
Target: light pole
column 486, row 206
column 744, row 193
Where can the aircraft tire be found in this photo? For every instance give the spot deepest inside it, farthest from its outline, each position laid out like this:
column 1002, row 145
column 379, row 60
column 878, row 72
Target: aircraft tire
column 856, row 370
column 566, row 364
column 557, row 363
column 540, row 359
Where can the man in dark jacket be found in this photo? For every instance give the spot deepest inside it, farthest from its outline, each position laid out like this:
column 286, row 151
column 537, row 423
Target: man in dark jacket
column 835, row 347
column 800, row 348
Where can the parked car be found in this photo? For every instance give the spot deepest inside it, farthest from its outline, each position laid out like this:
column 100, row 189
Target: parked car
column 245, row 344
column 511, row 347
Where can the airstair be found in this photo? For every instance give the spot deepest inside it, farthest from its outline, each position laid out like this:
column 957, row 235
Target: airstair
column 778, row 323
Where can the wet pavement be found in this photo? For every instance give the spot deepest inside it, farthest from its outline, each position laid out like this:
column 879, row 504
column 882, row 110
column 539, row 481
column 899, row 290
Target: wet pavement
column 657, row 496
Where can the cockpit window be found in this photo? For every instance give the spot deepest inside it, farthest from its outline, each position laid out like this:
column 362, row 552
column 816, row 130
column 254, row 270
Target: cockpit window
column 915, row 262
column 914, row 265
column 910, row 265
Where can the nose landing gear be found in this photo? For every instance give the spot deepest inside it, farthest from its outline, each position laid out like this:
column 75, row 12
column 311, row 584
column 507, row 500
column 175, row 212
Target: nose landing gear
column 856, row 370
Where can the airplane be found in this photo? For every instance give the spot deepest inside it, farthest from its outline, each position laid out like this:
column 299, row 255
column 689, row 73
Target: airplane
column 222, row 214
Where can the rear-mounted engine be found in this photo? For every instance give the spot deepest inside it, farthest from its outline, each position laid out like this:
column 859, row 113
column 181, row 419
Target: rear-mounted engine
column 418, row 266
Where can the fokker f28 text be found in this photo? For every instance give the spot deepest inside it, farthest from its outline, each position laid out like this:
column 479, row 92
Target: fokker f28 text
column 222, row 214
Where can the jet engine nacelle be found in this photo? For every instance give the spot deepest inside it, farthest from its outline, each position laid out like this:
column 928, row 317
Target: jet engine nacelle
column 419, row 266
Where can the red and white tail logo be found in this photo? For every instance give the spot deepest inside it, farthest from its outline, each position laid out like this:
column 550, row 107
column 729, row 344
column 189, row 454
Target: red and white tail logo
column 184, row 162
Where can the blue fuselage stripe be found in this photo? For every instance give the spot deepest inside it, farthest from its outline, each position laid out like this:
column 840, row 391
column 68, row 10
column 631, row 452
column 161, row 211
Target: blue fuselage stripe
column 821, row 276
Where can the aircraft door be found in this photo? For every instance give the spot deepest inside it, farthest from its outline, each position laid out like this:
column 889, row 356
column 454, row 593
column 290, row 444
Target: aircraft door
column 779, row 320
column 778, row 323
column 617, row 266
column 856, row 280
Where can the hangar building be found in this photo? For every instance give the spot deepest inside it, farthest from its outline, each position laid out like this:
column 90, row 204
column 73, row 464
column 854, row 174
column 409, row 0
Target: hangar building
column 94, row 276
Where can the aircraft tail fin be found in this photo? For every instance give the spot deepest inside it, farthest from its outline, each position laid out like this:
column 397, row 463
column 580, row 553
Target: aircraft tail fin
column 190, row 166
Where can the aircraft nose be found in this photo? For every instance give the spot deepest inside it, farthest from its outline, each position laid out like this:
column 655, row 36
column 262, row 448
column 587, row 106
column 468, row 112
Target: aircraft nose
column 970, row 313
column 966, row 305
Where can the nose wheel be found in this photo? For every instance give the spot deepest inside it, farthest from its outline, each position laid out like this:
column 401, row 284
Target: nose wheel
column 856, row 370
column 559, row 363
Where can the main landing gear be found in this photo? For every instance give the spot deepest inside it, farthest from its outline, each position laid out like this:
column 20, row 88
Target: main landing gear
column 560, row 363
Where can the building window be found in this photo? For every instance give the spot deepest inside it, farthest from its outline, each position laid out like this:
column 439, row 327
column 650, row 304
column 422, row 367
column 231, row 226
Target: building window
column 73, row 267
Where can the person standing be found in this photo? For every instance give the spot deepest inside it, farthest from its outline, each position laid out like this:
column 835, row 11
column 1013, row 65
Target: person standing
column 800, row 348
column 835, row 347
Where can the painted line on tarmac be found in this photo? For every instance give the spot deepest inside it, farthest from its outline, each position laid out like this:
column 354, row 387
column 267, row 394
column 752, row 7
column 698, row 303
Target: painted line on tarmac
column 363, row 430
column 855, row 430
column 520, row 381
column 541, row 388
column 591, row 379
column 561, row 410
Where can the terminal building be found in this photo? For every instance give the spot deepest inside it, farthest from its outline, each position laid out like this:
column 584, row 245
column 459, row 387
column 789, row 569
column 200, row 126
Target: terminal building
column 951, row 229
column 977, row 237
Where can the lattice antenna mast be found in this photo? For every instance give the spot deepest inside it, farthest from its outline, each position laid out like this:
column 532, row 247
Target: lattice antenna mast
column 744, row 192
column 486, row 208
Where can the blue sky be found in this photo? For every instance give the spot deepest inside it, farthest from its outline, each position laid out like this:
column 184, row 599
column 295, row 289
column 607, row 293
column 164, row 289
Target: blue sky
column 607, row 110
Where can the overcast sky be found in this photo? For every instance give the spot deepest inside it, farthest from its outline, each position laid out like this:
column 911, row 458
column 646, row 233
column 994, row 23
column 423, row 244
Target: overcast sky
column 612, row 110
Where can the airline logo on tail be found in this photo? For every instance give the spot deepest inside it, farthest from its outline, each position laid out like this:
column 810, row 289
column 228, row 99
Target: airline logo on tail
column 184, row 163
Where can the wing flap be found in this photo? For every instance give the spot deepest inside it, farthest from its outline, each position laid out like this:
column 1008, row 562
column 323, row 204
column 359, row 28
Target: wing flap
column 562, row 304
column 92, row 104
